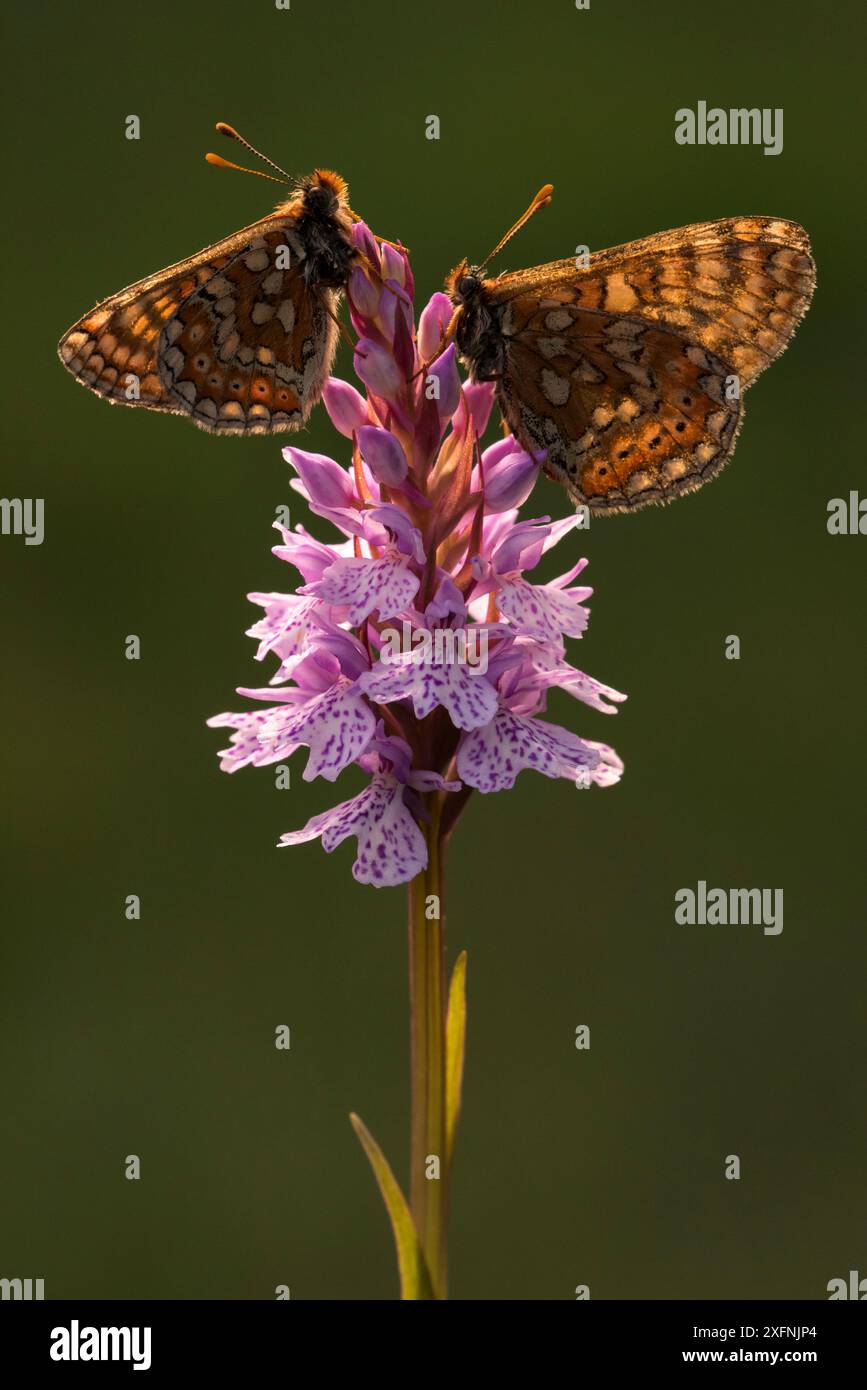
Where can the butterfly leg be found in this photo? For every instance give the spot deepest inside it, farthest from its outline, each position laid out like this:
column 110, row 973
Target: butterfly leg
column 341, row 327
column 446, row 337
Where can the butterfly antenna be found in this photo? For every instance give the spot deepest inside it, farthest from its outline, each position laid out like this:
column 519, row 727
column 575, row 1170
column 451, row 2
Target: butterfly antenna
column 227, row 164
column 231, row 133
column 541, row 200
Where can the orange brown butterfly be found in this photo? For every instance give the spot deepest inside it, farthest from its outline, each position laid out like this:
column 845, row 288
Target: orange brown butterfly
column 240, row 337
column 629, row 370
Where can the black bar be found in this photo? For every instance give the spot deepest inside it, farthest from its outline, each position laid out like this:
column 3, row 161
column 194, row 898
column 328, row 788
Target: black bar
column 226, row 1338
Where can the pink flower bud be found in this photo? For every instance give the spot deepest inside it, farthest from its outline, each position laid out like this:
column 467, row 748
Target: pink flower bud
column 479, row 396
column 432, row 325
column 364, row 241
column 498, row 450
column 509, row 480
column 363, row 296
column 383, row 455
column 346, row 408
column 393, row 265
column 377, row 369
column 442, row 383
column 326, row 483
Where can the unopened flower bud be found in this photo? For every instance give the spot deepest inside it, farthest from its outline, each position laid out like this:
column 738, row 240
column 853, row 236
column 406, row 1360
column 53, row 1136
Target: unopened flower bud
column 510, row 480
column 346, row 407
column 383, row 455
column 435, row 318
column 377, row 369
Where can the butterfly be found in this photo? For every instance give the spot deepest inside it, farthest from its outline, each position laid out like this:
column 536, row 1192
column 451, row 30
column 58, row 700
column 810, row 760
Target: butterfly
column 629, row 371
column 240, row 337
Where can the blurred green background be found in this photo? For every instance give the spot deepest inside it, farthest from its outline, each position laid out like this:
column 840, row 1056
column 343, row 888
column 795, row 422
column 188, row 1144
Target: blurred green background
column 156, row 1038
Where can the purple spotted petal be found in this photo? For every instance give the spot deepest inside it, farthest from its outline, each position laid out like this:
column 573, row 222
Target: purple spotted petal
column 391, row 848
column 542, row 611
column 367, row 586
column 337, row 725
column 576, row 683
column 470, row 700
column 290, row 621
column 609, row 768
column 490, row 759
column 256, row 742
column 431, row 782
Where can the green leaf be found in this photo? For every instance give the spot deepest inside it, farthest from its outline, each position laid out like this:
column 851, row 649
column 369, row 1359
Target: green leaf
column 456, row 1031
column 415, row 1281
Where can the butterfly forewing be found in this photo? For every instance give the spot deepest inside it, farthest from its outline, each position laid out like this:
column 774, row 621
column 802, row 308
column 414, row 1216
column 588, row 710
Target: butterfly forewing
column 739, row 286
column 629, row 371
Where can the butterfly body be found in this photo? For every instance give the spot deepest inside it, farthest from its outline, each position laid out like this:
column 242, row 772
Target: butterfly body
column 241, row 337
column 629, row 371
column 480, row 338
column 324, row 229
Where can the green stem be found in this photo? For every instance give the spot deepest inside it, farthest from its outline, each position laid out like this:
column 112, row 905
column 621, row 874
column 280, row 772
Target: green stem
column 427, row 1002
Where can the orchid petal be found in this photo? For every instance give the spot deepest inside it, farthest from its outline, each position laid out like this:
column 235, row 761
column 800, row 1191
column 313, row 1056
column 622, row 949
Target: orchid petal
column 491, row 758
column 366, row 586
column 391, row 847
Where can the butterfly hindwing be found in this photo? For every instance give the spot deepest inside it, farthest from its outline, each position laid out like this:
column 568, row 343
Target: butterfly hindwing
column 628, row 412
column 249, row 351
column 113, row 349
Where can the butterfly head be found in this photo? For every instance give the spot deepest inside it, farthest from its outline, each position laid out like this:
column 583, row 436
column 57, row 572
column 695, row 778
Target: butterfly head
column 475, row 327
column 464, row 284
column 324, row 193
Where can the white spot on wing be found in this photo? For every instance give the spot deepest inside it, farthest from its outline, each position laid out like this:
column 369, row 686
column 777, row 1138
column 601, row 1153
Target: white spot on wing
column 555, row 387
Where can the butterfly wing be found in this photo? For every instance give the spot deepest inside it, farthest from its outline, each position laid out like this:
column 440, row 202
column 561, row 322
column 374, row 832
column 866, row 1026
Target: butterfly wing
column 629, row 371
column 250, row 350
column 629, row 413
column 250, row 356
column 113, row 349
